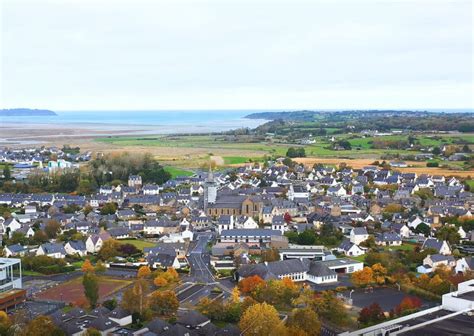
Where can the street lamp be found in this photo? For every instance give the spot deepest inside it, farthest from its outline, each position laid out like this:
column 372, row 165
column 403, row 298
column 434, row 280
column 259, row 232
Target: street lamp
column 350, row 294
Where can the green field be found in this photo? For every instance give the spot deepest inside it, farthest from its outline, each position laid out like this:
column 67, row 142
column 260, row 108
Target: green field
column 139, row 244
column 470, row 183
column 177, row 171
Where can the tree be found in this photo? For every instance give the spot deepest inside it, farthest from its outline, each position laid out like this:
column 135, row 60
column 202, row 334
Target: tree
column 108, row 209
column 164, row 302
column 408, row 304
column 305, row 319
column 307, row 237
column 6, row 172
column 235, row 296
column 100, row 267
column 91, row 288
column 134, row 297
column 40, row 237
column 379, row 274
column 42, row 325
column 87, row 266
column 109, row 249
column 5, row 323
column 448, row 233
column 329, row 307
column 423, row 228
column 345, row 144
column 270, row 255
column 92, row 332
column 110, row 304
column 249, row 284
column 436, row 151
column 143, row 272
column 52, row 228
column 160, row 281
column 261, row 319
column 371, row 315
column 293, row 152
column 363, row 277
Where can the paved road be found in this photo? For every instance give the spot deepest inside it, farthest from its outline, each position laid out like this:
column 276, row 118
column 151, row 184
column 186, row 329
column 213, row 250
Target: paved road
column 199, row 260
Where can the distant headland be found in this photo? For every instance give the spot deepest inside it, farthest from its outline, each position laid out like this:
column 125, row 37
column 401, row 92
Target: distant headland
column 16, row 112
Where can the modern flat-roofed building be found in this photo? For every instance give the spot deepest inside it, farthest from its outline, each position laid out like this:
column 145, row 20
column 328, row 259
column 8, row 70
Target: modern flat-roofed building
column 11, row 292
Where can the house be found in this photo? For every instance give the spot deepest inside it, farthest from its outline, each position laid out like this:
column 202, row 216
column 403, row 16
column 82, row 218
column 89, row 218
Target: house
column 94, row 242
column 245, row 222
column 431, row 262
column 441, row 247
column 119, row 233
column 388, row 239
column 279, row 223
column 464, row 265
column 249, row 236
column 15, row 250
column 358, row 235
column 350, row 249
column 401, row 229
column 75, row 247
column 159, row 227
column 120, row 316
column 336, row 190
column 53, row 250
column 12, row 224
column 414, row 222
column 135, row 181
column 225, row 222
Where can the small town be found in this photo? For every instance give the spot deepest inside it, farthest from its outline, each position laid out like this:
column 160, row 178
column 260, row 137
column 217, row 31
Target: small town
column 355, row 251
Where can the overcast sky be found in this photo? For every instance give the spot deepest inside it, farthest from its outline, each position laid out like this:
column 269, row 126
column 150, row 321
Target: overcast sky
column 225, row 54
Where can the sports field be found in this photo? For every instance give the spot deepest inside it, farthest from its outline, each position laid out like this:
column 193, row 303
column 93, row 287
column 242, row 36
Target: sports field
column 72, row 291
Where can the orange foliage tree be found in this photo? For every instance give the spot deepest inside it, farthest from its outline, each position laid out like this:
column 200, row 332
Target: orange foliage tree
column 249, row 284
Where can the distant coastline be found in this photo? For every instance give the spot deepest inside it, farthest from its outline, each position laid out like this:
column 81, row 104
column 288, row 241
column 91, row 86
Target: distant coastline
column 25, row 112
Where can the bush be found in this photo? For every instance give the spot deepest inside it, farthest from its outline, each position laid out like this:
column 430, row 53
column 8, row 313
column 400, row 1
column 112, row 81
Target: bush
column 432, row 164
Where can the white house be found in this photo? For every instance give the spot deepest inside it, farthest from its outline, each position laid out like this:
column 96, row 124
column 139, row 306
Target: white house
column 245, row 222
column 464, row 265
column 94, row 242
column 358, row 235
column 350, row 249
column 53, row 250
column 442, row 247
column 75, row 247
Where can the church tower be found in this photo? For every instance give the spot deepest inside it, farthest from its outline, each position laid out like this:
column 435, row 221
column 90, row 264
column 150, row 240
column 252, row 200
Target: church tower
column 210, row 190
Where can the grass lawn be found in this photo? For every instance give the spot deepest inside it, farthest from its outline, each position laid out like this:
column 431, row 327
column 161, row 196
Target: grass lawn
column 177, row 171
column 470, row 183
column 403, row 247
column 77, row 264
column 238, row 160
column 360, row 258
column 139, row 244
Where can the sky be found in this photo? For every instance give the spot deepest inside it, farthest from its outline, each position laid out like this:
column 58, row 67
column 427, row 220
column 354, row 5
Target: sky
column 226, row 54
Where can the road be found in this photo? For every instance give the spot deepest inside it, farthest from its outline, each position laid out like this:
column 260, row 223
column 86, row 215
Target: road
column 199, row 261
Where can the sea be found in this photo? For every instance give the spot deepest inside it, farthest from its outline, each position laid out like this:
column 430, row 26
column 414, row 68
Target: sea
column 153, row 122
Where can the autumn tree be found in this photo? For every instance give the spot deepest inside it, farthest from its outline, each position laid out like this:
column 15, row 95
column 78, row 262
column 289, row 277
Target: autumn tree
column 100, row 267
column 5, row 323
column 87, row 266
column 371, row 315
column 261, row 319
column 52, row 228
column 164, row 302
column 143, row 272
column 134, row 297
column 305, row 319
column 379, row 274
column 160, row 281
column 249, row 284
column 408, row 304
column 91, row 288
column 363, row 277
column 92, row 332
column 109, row 249
column 270, row 255
column 41, row 325
column 330, row 308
